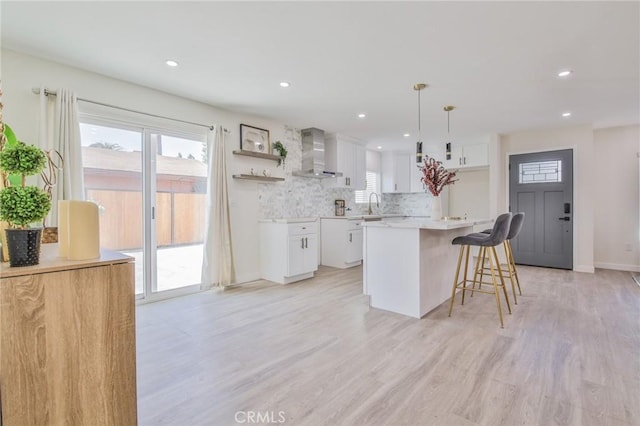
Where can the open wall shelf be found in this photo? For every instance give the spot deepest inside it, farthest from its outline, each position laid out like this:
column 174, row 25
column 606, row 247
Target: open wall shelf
column 257, row 155
column 259, row 178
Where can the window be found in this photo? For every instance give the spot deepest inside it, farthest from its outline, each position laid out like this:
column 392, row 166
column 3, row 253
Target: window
column 540, row 172
column 373, row 185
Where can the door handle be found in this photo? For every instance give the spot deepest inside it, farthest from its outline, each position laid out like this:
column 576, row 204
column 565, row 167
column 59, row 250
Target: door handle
column 565, row 218
column 302, row 241
column 350, row 237
column 306, row 242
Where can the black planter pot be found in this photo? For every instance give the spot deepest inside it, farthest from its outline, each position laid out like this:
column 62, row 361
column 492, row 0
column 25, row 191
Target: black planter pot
column 24, row 246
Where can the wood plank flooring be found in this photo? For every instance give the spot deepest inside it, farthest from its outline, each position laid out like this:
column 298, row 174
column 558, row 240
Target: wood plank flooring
column 314, row 350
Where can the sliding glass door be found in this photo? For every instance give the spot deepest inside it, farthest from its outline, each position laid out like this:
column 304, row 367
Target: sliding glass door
column 150, row 186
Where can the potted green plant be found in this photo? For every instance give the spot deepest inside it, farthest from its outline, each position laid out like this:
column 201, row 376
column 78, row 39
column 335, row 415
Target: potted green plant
column 282, row 152
column 21, row 205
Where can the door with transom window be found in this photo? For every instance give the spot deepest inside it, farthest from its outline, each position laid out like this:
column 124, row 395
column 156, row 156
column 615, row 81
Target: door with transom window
column 541, row 186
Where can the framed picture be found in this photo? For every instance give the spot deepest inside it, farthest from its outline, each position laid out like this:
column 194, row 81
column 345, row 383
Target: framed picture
column 254, row 139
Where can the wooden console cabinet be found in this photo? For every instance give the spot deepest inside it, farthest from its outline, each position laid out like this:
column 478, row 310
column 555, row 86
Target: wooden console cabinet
column 67, row 341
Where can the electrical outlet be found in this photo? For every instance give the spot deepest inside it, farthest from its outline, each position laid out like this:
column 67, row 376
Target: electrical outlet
column 628, row 247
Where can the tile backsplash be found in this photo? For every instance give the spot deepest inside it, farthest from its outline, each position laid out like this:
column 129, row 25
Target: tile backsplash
column 310, row 197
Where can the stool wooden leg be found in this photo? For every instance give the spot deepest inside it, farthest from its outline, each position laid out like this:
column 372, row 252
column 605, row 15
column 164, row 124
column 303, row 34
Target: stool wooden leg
column 464, row 278
column 483, row 251
column 495, row 289
column 504, row 288
column 513, row 286
column 513, row 266
column 455, row 281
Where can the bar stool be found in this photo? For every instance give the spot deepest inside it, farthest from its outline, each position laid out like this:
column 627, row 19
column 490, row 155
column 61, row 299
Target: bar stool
column 511, row 272
column 497, row 236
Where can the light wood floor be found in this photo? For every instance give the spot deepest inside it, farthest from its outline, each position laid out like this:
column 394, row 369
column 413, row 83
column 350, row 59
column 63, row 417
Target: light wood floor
column 568, row 355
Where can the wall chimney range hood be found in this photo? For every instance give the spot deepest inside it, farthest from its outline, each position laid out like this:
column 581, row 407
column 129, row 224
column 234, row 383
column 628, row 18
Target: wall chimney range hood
column 313, row 155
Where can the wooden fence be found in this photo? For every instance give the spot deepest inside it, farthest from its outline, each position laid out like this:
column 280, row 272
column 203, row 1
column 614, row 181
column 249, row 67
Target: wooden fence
column 179, row 218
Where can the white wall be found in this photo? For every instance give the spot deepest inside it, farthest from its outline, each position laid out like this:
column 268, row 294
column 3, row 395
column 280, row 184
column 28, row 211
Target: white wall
column 615, row 192
column 470, row 194
column 580, row 139
column 20, row 73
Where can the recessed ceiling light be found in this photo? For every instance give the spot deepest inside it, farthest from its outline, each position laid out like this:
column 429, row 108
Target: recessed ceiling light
column 285, row 84
column 171, row 63
column 379, row 147
column 566, row 114
column 565, row 73
column 362, row 115
column 406, row 135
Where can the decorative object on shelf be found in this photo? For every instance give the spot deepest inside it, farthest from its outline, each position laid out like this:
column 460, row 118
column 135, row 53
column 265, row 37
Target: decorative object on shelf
column 448, row 108
column 79, row 230
column 254, row 139
column 23, row 205
column 418, row 87
column 281, row 151
column 436, row 177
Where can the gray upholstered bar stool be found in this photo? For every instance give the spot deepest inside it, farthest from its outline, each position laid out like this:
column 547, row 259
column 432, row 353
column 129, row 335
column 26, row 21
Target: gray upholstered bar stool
column 511, row 272
column 486, row 243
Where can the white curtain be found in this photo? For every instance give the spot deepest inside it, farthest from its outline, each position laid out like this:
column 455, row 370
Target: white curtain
column 63, row 135
column 217, row 266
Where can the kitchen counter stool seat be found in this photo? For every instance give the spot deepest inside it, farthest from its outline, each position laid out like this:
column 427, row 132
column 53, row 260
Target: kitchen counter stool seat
column 487, row 243
column 510, row 267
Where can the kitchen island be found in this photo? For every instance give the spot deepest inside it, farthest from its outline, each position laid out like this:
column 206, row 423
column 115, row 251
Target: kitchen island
column 409, row 265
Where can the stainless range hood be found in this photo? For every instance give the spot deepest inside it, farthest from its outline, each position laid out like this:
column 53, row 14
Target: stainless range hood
column 313, row 155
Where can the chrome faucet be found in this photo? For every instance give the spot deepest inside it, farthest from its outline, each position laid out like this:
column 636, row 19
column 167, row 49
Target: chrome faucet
column 377, row 202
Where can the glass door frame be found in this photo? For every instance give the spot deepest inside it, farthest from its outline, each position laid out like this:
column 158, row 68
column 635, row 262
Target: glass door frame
column 149, row 176
column 148, row 188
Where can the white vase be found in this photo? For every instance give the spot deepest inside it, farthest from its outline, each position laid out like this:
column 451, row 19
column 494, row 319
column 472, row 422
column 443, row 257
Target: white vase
column 436, row 208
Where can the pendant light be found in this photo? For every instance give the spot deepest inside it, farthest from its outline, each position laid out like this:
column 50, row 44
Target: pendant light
column 448, row 108
column 418, row 87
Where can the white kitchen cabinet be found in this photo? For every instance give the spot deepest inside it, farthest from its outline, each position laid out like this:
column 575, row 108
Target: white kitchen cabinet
column 288, row 251
column 347, row 156
column 396, row 172
column 354, row 247
column 463, row 156
column 341, row 241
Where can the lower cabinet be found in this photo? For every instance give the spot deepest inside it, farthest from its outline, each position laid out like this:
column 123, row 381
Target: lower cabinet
column 288, row 251
column 68, row 341
column 341, row 240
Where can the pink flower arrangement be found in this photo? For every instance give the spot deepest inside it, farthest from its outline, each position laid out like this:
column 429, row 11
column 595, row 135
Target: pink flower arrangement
column 435, row 176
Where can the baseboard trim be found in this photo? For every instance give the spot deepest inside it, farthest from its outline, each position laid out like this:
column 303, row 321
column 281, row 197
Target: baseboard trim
column 584, row 268
column 618, row 266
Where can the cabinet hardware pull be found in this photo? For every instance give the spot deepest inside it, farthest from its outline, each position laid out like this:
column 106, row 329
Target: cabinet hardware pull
column 460, row 161
column 350, row 237
column 302, row 242
column 306, row 242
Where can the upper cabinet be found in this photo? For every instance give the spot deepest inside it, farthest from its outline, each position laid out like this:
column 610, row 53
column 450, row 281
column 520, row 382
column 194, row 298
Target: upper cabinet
column 463, row 156
column 400, row 173
column 347, row 156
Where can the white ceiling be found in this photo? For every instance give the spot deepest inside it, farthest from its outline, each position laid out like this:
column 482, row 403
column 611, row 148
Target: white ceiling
column 496, row 62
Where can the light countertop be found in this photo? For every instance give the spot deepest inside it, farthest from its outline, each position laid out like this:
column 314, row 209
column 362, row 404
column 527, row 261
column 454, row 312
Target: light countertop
column 289, row 220
column 363, row 216
column 426, row 223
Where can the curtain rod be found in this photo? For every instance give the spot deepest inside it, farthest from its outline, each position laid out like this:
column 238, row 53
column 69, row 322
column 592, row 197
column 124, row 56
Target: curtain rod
column 36, row 90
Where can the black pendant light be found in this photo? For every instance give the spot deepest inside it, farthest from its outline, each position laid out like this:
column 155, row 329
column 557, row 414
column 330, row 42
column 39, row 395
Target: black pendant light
column 418, row 87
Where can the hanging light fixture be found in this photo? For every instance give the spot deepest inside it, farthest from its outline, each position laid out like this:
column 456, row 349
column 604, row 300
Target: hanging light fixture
column 418, row 87
column 448, row 108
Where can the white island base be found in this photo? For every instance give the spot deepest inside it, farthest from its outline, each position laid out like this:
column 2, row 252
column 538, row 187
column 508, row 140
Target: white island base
column 409, row 266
